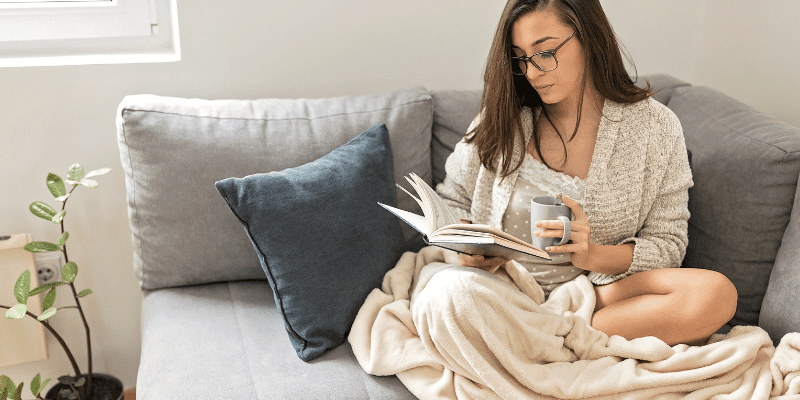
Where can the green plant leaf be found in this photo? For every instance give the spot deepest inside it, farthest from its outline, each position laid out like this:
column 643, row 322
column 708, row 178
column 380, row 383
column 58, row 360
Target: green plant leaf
column 46, row 287
column 66, row 380
column 59, row 217
column 49, row 299
column 85, row 293
column 42, row 210
column 3, row 393
column 65, row 393
column 43, row 385
column 16, row 312
column 90, row 183
column 22, row 288
column 64, row 197
column 97, row 172
column 36, row 385
column 8, row 385
column 75, row 172
column 46, row 314
column 69, row 271
column 63, row 239
column 56, row 185
column 80, row 382
column 41, row 247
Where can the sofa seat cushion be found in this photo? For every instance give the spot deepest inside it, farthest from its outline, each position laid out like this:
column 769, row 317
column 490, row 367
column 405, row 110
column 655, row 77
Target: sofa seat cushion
column 745, row 167
column 227, row 341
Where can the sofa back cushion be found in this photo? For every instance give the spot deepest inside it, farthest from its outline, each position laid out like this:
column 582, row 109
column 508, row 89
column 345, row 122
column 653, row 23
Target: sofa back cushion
column 661, row 84
column 453, row 111
column 745, row 167
column 173, row 150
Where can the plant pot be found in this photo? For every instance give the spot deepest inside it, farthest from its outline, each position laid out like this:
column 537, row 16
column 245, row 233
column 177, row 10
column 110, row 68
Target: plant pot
column 104, row 387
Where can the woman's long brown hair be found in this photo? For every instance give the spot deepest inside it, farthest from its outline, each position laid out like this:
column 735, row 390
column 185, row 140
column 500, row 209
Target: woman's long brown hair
column 505, row 94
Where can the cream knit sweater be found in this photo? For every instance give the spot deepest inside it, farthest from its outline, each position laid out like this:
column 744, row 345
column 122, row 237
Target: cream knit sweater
column 637, row 189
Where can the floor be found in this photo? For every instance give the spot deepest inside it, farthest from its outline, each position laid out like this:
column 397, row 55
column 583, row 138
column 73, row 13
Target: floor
column 130, row 394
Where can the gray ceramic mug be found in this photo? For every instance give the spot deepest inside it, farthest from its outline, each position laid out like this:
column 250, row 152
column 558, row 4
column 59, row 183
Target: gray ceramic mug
column 549, row 208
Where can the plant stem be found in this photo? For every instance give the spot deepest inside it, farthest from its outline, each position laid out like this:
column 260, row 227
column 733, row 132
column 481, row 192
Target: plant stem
column 80, row 309
column 58, row 338
column 88, row 337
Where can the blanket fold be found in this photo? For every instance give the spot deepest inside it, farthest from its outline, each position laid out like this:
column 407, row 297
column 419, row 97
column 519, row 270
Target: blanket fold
column 451, row 332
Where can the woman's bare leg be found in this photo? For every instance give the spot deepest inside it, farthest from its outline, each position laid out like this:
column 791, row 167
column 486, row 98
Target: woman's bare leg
column 676, row 305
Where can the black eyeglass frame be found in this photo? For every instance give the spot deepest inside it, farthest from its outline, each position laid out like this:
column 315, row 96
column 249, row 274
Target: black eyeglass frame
column 525, row 60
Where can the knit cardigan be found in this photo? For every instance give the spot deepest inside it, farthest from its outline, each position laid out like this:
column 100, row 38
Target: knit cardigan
column 637, row 188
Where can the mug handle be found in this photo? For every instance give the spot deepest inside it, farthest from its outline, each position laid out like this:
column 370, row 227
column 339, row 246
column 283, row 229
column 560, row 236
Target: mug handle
column 567, row 229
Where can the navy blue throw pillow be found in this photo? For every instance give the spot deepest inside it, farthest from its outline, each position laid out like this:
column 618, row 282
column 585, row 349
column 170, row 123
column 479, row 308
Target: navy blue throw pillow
column 321, row 237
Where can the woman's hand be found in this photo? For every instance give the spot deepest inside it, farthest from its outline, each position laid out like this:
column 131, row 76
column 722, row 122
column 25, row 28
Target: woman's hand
column 578, row 243
column 490, row 264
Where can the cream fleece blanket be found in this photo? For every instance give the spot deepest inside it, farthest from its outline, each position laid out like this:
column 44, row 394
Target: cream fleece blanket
column 449, row 332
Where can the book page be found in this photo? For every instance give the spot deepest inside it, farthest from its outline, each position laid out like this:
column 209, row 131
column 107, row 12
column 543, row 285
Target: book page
column 480, row 228
column 440, row 212
column 415, row 221
column 489, row 246
column 412, row 196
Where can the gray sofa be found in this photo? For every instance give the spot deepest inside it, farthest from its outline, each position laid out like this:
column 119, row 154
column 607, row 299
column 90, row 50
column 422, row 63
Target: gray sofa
column 210, row 326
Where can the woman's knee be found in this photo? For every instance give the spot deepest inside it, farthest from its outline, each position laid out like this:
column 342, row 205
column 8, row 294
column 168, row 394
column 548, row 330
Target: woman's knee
column 717, row 296
column 726, row 295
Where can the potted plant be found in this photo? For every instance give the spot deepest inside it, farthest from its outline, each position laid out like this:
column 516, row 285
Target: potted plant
column 82, row 386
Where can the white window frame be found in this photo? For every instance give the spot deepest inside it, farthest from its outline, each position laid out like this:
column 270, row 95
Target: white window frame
column 49, row 33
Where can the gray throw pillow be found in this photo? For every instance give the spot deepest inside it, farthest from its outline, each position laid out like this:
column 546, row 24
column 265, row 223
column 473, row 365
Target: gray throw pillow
column 321, row 237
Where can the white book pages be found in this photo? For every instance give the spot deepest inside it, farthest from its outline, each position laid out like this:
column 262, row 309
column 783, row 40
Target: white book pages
column 416, row 221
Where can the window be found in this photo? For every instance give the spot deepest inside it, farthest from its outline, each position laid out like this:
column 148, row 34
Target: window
column 61, row 32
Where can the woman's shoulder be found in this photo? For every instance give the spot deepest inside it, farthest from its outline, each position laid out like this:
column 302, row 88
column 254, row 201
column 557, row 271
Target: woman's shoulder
column 650, row 112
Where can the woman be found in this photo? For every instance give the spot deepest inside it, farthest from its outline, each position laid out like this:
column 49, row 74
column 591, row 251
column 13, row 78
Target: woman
column 560, row 114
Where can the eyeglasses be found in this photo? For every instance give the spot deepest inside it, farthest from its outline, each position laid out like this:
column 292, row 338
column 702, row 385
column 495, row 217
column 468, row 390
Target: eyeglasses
column 544, row 61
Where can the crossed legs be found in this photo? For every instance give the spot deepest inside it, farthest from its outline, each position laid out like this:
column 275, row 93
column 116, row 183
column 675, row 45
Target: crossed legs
column 676, row 305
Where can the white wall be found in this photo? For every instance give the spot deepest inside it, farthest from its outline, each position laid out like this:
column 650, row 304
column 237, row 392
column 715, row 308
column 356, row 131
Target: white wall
column 745, row 49
column 55, row 116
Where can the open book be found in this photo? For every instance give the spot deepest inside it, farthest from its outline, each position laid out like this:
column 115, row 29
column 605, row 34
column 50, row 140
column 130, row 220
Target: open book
column 439, row 227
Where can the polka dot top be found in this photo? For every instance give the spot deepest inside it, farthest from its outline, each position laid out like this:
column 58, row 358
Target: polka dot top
column 535, row 179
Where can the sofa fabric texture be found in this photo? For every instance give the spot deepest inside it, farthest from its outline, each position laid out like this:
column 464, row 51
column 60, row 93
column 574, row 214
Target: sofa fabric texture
column 197, row 333
column 173, row 151
column 780, row 313
column 227, row 341
column 453, row 111
column 322, row 239
column 746, row 167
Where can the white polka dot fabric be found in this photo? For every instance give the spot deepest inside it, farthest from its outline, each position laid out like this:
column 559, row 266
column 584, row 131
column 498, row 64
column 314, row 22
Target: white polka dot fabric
column 532, row 181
